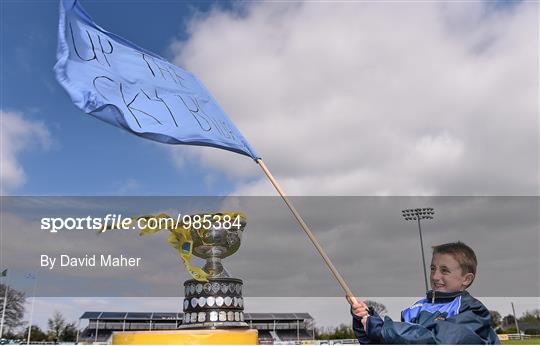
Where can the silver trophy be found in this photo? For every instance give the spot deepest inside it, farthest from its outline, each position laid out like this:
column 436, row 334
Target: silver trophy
column 213, row 299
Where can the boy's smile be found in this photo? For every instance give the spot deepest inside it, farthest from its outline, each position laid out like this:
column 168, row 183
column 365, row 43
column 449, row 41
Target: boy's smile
column 447, row 275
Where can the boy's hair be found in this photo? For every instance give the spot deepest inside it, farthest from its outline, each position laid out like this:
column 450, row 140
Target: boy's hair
column 462, row 253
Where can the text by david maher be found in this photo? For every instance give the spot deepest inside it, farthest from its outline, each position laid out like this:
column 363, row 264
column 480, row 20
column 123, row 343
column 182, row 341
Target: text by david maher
column 89, row 261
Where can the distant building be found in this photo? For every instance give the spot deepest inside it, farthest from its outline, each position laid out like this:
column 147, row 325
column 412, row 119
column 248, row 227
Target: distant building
column 272, row 327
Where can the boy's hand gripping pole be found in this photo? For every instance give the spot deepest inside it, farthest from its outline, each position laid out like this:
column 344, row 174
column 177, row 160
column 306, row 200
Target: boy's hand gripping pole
column 308, row 232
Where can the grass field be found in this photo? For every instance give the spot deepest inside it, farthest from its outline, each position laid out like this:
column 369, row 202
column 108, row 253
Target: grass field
column 535, row 341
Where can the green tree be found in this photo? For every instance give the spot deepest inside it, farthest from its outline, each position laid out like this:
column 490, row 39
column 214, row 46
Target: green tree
column 342, row 331
column 56, row 325
column 36, row 334
column 321, row 333
column 14, row 308
column 509, row 320
column 59, row 329
column 496, row 319
column 70, row 332
column 530, row 316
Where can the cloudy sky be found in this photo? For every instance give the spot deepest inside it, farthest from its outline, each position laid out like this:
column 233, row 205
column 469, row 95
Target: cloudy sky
column 346, row 99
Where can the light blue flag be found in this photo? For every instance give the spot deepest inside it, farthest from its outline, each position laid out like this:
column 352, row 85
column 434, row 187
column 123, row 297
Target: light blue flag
column 132, row 88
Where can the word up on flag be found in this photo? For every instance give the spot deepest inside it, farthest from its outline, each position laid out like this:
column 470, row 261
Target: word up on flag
column 129, row 87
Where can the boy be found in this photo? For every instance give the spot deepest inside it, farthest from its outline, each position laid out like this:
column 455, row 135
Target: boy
column 448, row 315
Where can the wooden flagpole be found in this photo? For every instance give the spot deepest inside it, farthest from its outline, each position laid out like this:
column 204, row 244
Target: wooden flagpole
column 310, row 234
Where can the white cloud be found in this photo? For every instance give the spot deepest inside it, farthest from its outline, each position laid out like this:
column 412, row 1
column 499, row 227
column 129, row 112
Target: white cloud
column 17, row 135
column 375, row 98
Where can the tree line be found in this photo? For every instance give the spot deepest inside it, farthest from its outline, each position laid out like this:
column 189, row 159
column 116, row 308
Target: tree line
column 15, row 328
column 507, row 324
column 345, row 331
column 59, row 330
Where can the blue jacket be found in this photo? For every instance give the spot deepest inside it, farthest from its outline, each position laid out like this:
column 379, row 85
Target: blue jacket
column 440, row 318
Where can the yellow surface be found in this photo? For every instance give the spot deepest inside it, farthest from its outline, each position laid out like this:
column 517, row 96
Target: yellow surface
column 187, row 337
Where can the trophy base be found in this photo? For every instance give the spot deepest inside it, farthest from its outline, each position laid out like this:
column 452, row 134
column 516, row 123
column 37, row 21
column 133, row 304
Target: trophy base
column 187, row 337
column 216, row 304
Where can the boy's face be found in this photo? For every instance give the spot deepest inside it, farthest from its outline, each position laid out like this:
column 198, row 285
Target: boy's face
column 446, row 274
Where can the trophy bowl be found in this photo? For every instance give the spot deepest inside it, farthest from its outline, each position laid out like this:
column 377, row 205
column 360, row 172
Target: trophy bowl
column 215, row 243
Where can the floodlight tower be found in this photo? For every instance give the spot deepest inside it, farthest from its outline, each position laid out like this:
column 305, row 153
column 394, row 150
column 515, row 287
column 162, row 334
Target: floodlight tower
column 417, row 215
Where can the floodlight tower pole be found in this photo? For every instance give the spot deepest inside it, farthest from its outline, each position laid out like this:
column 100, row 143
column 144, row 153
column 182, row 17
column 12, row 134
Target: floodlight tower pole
column 4, row 307
column 419, row 214
column 423, row 255
column 32, row 277
column 516, row 321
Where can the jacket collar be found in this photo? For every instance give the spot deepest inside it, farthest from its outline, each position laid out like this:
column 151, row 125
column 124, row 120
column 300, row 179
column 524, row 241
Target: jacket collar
column 435, row 296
